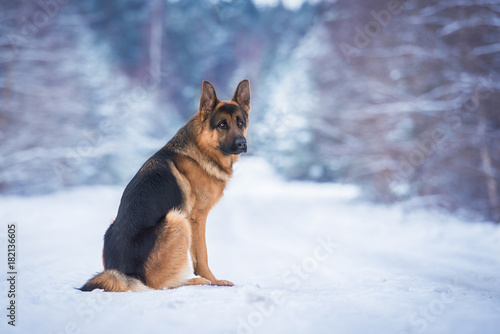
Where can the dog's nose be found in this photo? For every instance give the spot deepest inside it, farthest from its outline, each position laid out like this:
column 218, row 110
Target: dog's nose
column 241, row 144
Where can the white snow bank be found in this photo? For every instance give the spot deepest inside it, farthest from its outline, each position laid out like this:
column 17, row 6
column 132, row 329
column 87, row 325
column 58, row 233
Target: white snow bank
column 305, row 258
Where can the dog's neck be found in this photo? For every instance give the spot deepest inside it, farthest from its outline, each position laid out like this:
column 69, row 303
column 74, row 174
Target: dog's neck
column 214, row 163
column 220, row 169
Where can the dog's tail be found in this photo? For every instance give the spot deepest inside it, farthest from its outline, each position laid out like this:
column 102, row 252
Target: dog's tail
column 111, row 280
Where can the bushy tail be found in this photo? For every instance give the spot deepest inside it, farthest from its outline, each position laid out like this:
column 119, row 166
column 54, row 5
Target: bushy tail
column 113, row 281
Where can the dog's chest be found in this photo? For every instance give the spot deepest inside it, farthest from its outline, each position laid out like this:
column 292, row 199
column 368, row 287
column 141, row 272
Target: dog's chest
column 206, row 192
column 203, row 191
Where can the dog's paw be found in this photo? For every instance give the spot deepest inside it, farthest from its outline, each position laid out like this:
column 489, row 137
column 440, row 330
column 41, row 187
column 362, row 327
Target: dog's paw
column 198, row 281
column 222, row 282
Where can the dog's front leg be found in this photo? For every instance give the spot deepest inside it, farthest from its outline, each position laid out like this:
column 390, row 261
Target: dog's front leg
column 199, row 252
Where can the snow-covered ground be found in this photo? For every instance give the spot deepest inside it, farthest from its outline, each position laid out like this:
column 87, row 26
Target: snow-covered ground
column 304, row 257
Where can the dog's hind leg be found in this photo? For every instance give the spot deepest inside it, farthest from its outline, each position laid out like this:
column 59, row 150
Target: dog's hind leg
column 167, row 265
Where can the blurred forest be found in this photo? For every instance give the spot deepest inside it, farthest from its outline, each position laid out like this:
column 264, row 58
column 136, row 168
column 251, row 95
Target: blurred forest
column 399, row 97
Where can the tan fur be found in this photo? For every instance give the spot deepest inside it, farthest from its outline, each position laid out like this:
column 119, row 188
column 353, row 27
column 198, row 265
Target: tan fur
column 114, row 281
column 206, row 192
column 166, row 265
column 211, row 159
column 197, row 281
column 185, row 188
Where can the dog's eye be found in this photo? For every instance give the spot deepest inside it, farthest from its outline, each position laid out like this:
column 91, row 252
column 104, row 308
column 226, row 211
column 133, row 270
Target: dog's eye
column 222, row 125
column 240, row 124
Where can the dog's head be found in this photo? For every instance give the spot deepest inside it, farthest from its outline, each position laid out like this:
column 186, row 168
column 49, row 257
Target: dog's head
column 225, row 122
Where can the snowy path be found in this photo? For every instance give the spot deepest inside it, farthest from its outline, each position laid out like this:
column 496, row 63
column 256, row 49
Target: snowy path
column 305, row 258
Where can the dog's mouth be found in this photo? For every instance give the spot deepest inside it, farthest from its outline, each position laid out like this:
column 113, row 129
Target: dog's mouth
column 240, row 150
column 235, row 152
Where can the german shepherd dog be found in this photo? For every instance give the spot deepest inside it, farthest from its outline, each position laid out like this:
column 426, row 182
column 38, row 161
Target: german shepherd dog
column 163, row 210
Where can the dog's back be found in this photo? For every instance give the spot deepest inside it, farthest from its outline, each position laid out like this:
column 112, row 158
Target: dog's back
column 147, row 199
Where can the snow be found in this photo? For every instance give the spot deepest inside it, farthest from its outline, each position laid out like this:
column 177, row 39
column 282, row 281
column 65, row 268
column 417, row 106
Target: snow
column 304, row 257
column 291, row 4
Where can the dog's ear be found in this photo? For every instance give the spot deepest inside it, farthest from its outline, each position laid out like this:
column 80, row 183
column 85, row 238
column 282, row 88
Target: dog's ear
column 208, row 99
column 242, row 95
